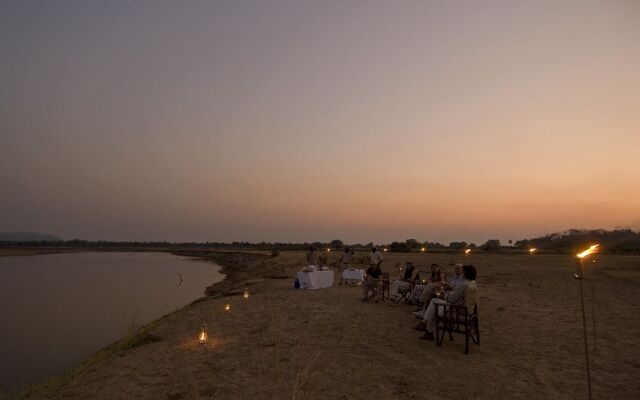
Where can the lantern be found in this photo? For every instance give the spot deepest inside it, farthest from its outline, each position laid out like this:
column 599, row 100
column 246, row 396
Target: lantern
column 203, row 336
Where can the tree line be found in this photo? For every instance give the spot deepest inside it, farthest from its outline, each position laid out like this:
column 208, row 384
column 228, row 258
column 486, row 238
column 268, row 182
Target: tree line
column 614, row 241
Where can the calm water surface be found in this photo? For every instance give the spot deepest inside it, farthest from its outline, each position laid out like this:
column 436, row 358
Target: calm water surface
column 57, row 309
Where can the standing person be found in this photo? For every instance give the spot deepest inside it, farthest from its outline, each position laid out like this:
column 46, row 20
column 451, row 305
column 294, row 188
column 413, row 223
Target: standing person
column 312, row 257
column 345, row 262
column 375, row 258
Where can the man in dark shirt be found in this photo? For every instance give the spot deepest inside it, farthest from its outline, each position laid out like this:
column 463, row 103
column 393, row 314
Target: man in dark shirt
column 371, row 282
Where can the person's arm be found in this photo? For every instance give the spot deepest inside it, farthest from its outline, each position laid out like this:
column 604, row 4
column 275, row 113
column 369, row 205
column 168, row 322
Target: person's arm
column 457, row 295
column 380, row 260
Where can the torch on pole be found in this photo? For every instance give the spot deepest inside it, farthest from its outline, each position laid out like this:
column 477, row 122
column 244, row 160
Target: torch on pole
column 593, row 312
column 580, row 277
column 584, row 328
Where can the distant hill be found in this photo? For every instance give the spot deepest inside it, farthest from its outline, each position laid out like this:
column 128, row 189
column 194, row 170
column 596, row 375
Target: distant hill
column 27, row 237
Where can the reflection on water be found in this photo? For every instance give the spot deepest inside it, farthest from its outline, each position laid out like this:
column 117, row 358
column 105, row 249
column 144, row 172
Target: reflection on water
column 58, row 309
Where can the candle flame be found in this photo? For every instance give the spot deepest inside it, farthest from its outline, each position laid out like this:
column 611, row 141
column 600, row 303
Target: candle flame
column 202, row 337
column 590, row 250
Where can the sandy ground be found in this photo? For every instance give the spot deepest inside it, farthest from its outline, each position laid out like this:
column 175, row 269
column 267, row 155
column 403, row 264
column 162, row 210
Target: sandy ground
column 327, row 344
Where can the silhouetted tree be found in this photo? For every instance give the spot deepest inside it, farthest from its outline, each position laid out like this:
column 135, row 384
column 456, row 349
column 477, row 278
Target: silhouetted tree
column 491, row 245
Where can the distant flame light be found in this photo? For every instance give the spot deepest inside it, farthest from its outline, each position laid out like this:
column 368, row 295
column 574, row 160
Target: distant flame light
column 467, row 251
column 532, row 250
column 385, row 250
column 590, row 250
column 203, row 336
column 227, row 308
column 245, row 293
column 423, row 249
column 328, row 250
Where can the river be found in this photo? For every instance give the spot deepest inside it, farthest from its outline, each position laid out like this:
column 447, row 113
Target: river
column 58, row 309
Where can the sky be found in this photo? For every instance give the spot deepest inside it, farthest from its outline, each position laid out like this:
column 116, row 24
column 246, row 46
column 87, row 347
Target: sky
column 366, row 121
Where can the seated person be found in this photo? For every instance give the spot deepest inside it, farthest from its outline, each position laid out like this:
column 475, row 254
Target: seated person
column 371, row 282
column 422, row 294
column 454, row 279
column 409, row 277
column 463, row 294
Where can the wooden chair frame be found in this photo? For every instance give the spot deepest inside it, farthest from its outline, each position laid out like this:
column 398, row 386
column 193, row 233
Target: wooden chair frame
column 450, row 318
column 405, row 293
column 383, row 285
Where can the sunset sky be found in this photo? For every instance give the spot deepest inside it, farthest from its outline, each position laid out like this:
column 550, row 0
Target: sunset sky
column 315, row 120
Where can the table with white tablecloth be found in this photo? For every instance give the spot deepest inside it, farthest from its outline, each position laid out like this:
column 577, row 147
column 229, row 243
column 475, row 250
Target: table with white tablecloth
column 315, row 279
column 353, row 274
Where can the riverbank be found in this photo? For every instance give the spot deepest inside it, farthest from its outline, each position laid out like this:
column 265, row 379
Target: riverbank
column 293, row 344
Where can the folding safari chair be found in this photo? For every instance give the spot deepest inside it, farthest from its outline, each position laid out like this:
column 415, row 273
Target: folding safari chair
column 383, row 285
column 457, row 319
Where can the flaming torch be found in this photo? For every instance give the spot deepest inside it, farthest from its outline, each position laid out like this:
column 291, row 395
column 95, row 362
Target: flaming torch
column 581, row 256
column 466, row 252
column 532, row 250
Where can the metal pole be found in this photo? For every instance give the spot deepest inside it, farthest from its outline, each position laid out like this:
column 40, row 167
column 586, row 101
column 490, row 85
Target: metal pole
column 584, row 328
column 593, row 314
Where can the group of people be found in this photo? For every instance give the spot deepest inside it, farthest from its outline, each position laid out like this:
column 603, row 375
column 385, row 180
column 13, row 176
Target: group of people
column 459, row 289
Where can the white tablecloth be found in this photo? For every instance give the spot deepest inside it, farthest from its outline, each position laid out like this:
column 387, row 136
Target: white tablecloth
column 355, row 274
column 315, row 280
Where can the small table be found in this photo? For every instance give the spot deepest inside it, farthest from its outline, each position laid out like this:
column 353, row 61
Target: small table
column 315, row 279
column 353, row 274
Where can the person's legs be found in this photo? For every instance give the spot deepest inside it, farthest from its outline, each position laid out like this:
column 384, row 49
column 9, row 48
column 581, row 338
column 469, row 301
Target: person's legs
column 393, row 290
column 427, row 294
column 430, row 315
column 365, row 288
column 416, row 293
column 340, row 271
column 430, row 318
